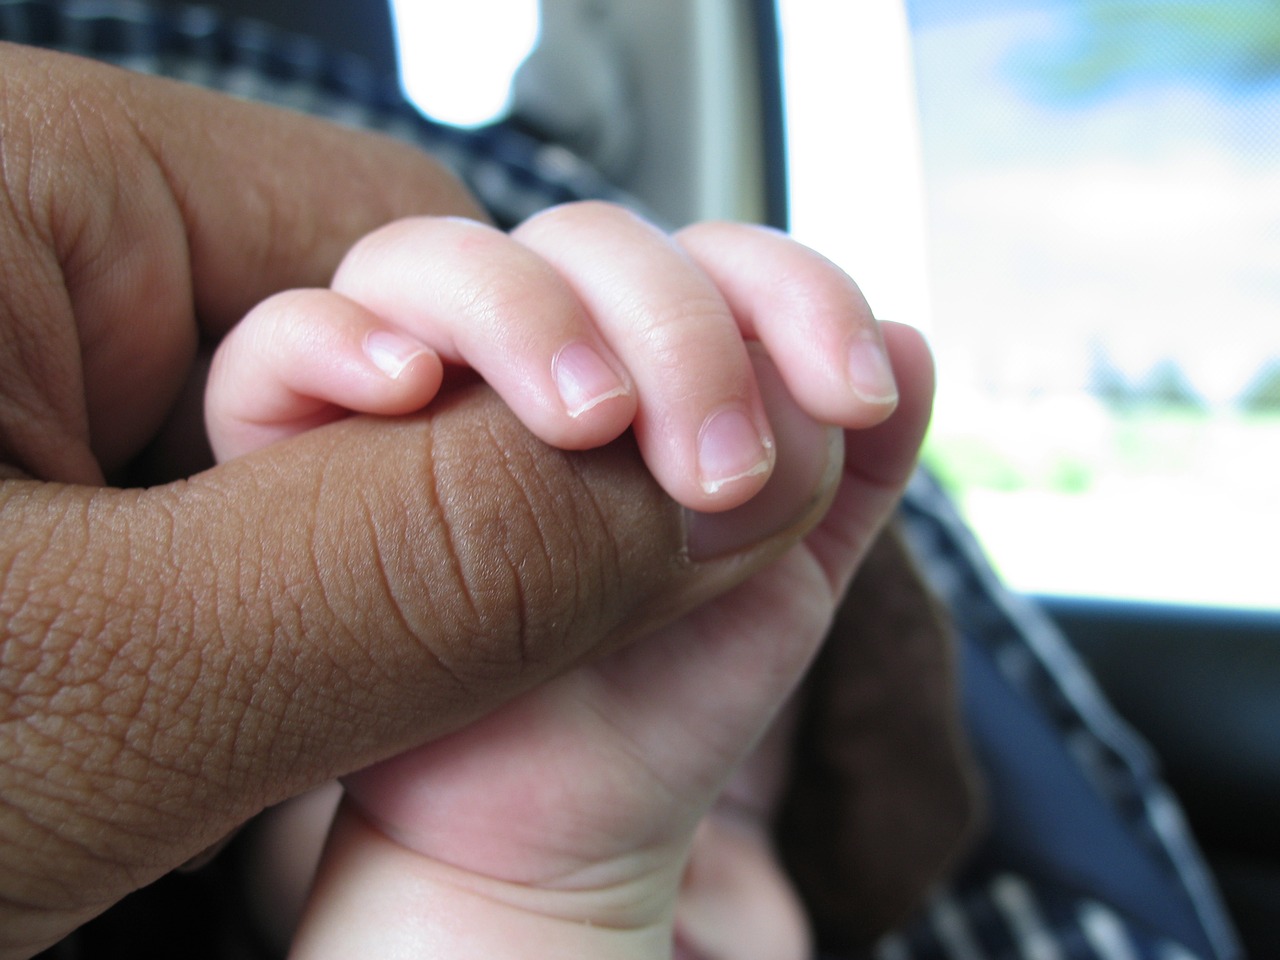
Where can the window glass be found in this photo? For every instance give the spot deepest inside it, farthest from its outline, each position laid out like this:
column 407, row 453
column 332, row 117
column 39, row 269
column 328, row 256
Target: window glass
column 457, row 59
column 1100, row 186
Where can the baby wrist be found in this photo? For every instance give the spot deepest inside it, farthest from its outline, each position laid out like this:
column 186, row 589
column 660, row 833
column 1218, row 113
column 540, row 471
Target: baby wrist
column 375, row 897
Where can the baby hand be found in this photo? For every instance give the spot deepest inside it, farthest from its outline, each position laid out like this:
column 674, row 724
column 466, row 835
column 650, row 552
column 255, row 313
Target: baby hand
column 586, row 320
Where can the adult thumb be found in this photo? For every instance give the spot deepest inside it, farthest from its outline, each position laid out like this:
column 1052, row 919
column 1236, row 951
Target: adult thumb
column 176, row 659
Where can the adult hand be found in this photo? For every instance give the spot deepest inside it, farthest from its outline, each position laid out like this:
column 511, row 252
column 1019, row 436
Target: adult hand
column 175, row 658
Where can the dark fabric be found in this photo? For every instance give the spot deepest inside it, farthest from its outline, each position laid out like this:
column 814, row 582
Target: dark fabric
column 1087, row 854
column 361, row 29
column 884, row 794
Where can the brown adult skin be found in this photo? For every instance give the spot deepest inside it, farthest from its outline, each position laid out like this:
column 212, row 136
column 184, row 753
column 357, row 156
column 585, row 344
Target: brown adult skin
column 176, row 656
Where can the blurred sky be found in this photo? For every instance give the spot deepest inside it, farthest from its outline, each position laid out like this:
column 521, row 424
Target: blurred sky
column 1099, row 181
column 856, row 182
column 1141, row 217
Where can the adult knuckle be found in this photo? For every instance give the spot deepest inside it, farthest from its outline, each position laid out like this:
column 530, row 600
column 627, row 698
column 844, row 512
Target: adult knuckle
column 510, row 567
column 519, row 566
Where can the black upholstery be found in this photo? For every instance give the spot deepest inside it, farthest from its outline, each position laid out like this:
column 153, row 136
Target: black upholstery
column 361, row 28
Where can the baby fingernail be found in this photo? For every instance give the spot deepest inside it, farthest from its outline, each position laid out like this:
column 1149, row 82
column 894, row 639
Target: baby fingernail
column 731, row 448
column 585, row 379
column 390, row 352
column 808, row 464
column 870, row 374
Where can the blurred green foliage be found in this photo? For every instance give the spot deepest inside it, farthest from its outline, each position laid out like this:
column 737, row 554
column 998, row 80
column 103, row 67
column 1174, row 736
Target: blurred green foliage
column 1262, row 395
column 1149, row 443
column 998, row 463
column 1115, row 43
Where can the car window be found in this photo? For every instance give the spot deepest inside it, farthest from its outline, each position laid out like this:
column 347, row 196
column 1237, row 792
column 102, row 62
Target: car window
column 1086, row 204
column 1079, row 202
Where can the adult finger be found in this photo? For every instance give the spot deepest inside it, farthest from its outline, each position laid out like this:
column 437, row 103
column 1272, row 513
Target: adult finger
column 179, row 658
column 138, row 215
